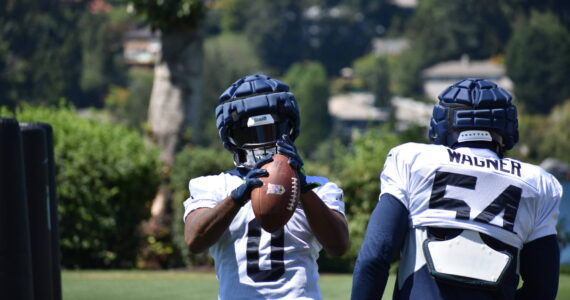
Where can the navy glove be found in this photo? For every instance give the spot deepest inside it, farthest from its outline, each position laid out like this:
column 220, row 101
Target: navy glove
column 285, row 146
column 242, row 193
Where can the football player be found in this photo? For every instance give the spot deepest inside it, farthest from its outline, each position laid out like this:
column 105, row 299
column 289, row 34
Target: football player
column 258, row 117
column 466, row 221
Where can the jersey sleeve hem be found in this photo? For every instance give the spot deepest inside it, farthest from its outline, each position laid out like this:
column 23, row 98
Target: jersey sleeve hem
column 191, row 205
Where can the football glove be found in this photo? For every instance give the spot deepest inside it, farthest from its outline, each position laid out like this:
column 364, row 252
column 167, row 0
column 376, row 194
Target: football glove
column 285, row 146
column 242, row 193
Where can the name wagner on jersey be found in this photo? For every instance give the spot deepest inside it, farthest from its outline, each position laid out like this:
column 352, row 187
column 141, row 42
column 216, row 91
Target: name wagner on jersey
column 504, row 165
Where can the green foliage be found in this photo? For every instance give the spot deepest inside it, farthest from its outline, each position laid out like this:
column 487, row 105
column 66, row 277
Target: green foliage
column 531, row 135
column 308, row 82
column 375, row 73
column 101, row 54
column 169, row 15
column 227, row 58
column 356, row 169
column 524, row 8
column 275, row 30
column 445, row 29
column 233, row 15
column 407, row 73
column 359, row 176
column 543, row 136
column 192, row 163
column 106, row 178
column 336, row 36
column 129, row 106
column 537, row 61
column 381, row 15
column 284, row 32
column 38, row 47
column 556, row 138
column 51, row 49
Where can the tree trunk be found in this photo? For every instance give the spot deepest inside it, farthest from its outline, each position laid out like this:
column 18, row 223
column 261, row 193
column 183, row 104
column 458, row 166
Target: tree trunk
column 174, row 106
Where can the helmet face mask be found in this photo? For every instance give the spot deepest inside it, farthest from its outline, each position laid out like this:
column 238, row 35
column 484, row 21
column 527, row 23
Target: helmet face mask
column 475, row 111
column 247, row 158
column 256, row 137
column 257, row 131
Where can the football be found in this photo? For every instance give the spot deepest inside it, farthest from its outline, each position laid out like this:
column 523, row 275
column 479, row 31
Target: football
column 275, row 202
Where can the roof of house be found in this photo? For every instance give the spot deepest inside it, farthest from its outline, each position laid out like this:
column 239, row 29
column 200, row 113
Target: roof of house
column 464, row 68
column 387, row 46
column 355, row 107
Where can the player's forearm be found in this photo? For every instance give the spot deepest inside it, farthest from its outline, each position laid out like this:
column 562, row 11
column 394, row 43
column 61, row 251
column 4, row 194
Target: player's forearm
column 204, row 226
column 329, row 226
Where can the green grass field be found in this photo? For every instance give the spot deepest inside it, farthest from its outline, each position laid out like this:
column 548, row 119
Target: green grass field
column 174, row 285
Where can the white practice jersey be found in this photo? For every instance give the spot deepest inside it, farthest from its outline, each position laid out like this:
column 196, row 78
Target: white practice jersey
column 471, row 188
column 254, row 264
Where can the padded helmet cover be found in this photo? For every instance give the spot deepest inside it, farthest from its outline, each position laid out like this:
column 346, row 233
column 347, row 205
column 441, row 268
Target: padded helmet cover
column 474, row 104
column 255, row 95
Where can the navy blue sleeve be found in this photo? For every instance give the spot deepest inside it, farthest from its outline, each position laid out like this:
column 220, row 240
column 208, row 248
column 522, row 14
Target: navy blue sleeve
column 385, row 234
column 540, row 269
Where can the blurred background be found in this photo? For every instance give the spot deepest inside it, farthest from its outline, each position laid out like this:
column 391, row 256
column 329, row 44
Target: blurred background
column 130, row 88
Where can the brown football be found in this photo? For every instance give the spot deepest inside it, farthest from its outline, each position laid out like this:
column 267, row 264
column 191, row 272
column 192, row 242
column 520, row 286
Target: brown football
column 275, row 202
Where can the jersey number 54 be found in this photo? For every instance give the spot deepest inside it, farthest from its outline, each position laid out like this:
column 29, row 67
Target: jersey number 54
column 507, row 201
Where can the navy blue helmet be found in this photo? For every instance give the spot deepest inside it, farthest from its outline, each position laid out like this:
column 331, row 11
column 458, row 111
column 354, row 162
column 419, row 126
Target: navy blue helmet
column 254, row 112
column 474, row 110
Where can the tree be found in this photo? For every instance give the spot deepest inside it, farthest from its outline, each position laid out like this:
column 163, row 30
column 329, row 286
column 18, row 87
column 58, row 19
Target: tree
column 129, row 105
column 227, row 57
column 446, row 29
column 556, row 138
column 308, row 82
column 537, row 61
column 176, row 88
column 357, row 172
column 52, row 49
column 233, row 16
column 517, row 8
column 335, row 36
column 101, row 53
column 275, row 29
column 380, row 15
column 38, row 46
column 105, row 178
column 374, row 72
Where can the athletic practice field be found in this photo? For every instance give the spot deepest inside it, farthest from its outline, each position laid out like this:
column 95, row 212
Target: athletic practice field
column 178, row 285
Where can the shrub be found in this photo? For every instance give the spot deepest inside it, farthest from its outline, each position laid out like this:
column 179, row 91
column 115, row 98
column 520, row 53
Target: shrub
column 106, row 177
column 356, row 170
column 191, row 163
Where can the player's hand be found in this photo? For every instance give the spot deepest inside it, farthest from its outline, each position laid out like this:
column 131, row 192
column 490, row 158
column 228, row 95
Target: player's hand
column 285, row 146
column 242, row 193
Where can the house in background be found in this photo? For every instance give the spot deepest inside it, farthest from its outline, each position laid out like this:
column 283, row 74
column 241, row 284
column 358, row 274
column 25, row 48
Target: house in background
column 389, row 46
column 141, row 47
column 438, row 77
column 353, row 112
column 404, row 3
column 409, row 112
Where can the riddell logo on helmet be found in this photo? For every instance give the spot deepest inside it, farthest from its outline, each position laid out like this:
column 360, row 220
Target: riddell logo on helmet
column 260, row 120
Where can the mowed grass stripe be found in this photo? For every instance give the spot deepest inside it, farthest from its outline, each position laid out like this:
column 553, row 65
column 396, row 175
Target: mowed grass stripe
column 173, row 285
